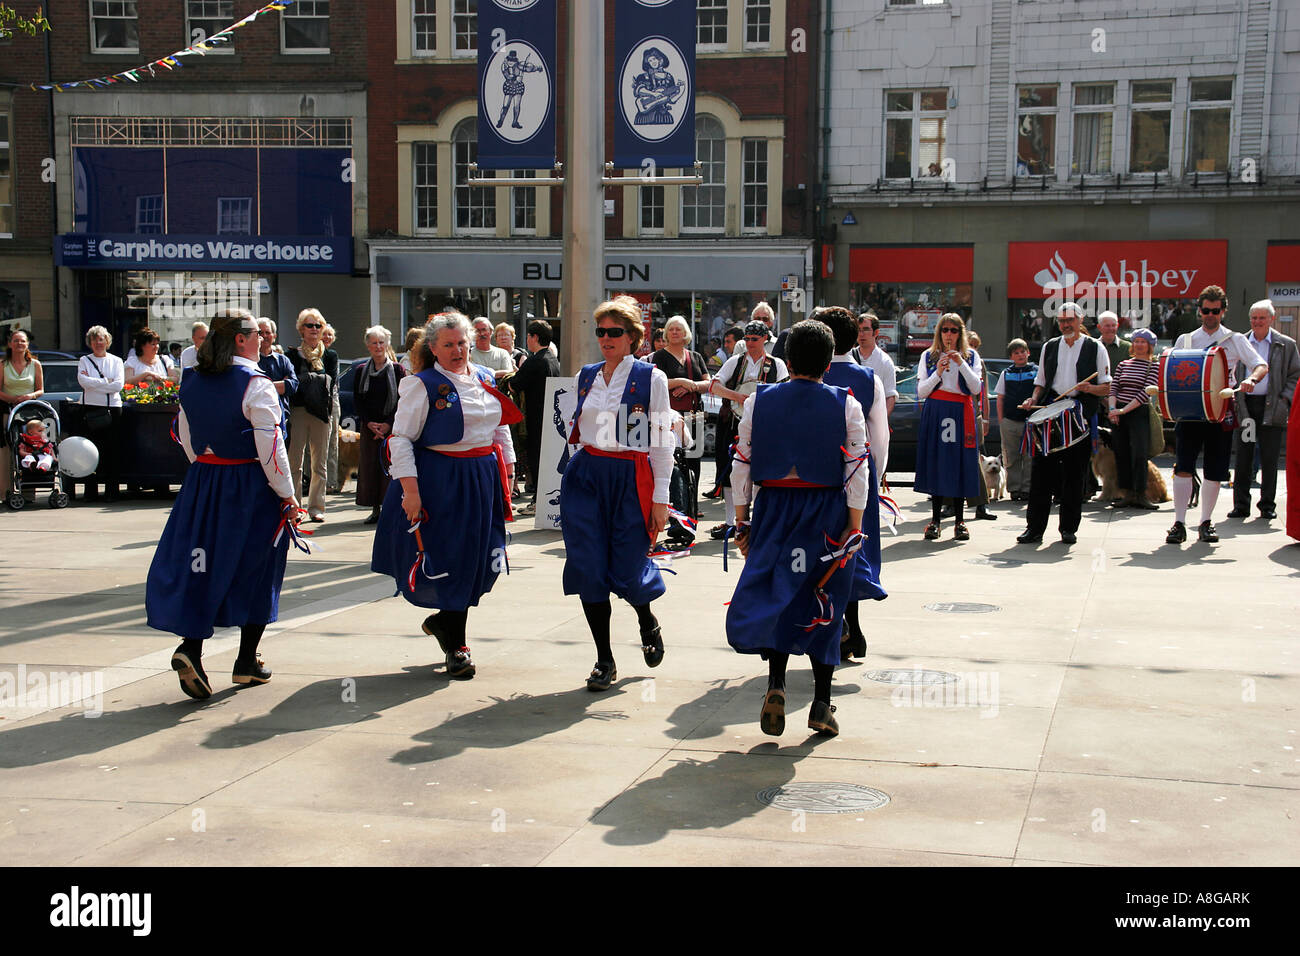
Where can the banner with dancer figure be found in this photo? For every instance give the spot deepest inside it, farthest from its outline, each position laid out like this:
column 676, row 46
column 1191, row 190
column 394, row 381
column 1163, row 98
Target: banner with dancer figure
column 516, row 76
column 654, row 76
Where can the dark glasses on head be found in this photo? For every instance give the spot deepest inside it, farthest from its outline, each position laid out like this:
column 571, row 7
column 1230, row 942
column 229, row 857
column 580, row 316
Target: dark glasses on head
column 1205, row 311
column 614, row 333
column 311, row 325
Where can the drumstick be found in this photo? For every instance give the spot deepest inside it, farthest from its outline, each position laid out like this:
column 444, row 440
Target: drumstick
column 1077, row 384
column 1223, row 392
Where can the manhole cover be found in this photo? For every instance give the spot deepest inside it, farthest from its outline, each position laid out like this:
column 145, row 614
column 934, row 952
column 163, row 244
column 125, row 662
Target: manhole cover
column 823, row 797
column 962, row 608
column 997, row 562
column 913, row 677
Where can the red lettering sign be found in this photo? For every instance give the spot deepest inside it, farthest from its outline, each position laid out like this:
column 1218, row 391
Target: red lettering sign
column 1170, row 269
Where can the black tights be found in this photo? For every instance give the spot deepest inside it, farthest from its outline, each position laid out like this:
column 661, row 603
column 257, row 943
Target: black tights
column 851, row 617
column 822, row 673
column 598, row 614
column 451, row 624
column 936, row 507
column 250, row 635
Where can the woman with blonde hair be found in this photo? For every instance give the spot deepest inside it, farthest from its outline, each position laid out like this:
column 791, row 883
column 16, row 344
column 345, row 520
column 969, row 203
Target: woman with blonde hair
column 22, row 380
column 947, row 458
column 311, row 408
column 614, row 494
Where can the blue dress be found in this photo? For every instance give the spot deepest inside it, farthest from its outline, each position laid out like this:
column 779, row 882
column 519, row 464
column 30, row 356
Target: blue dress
column 801, row 424
column 947, row 455
column 464, row 536
column 215, row 565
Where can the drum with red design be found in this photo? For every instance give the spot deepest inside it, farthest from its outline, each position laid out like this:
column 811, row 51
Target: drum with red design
column 1192, row 383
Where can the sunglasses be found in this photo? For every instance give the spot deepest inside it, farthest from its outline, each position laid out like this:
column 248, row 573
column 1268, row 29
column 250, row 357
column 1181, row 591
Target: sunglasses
column 615, row 333
column 952, row 331
column 1205, row 311
column 312, row 325
column 755, row 338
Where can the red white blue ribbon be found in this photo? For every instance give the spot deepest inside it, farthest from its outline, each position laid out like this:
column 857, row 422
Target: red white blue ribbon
column 289, row 525
column 889, row 508
column 420, row 556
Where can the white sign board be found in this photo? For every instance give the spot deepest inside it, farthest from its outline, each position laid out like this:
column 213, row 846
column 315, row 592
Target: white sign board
column 561, row 401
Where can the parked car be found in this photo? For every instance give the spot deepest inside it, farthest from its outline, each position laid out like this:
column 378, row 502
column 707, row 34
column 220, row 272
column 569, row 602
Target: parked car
column 60, row 382
column 905, row 423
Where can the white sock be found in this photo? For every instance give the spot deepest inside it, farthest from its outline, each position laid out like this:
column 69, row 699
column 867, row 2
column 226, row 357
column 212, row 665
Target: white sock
column 1182, row 495
column 730, row 502
column 1209, row 497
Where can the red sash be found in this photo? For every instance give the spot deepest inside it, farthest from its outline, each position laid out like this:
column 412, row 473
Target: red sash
column 483, row 452
column 218, row 460
column 645, row 482
column 969, row 416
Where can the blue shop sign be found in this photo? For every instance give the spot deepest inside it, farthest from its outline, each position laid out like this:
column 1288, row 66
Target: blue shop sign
column 199, row 253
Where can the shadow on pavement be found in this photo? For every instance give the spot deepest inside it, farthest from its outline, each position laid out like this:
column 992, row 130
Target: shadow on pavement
column 1288, row 556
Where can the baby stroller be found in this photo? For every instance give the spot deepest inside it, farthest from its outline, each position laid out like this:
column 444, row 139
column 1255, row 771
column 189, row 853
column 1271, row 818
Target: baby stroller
column 22, row 478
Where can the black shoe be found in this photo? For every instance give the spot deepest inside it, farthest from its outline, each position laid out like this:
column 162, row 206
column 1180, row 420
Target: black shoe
column 602, row 675
column 960, row 532
column 821, row 719
column 652, row 646
column 851, row 647
column 373, row 516
column 932, row 531
column 1177, row 534
column 1030, row 537
column 459, row 664
column 1239, row 513
column 720, row 532
column 1207, row 533
column 1268, row 514
column 715, row 493
column 772, row 717
column 250, row 673
column 194, row 681
column 982, row 514
column 430, row 627
column 1069, row 537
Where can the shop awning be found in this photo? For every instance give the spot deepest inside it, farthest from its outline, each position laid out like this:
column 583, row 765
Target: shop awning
column 1283, row 262
column 947, row 264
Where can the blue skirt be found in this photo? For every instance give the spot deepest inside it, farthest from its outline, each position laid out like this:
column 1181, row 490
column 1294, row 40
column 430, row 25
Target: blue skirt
column 866, row 564
column 774, row 598
column 464, row 538
column 215, row 565
column 946, row 468
column 606, row 546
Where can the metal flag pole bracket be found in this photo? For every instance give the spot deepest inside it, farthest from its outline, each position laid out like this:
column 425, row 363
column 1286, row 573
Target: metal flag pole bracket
column 555, row 179
column 609, row 179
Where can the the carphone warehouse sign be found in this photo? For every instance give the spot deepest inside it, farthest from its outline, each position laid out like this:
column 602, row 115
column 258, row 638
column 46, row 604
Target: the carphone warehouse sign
column 205, row 253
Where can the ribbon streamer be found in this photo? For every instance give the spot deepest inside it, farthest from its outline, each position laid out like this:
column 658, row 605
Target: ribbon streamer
column 289, row 517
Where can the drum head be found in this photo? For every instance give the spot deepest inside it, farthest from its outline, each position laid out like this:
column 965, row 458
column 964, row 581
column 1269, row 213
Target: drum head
column 1049, row 412
column 745, row 388
column 1216, row 380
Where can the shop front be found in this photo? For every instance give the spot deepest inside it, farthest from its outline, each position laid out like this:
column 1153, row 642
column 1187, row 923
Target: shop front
column 1282, row 273
column 1148, row 283
column 714, row 284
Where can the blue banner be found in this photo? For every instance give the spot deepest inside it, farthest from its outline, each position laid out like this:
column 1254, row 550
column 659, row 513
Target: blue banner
column 81, row 250
column 654, row 77
column 516, row 84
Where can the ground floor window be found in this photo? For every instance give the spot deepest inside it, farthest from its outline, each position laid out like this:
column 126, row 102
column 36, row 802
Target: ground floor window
column 916, row 307
column 16, row 305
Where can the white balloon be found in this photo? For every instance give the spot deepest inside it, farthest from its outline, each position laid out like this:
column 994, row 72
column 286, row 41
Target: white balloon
column 78, row 457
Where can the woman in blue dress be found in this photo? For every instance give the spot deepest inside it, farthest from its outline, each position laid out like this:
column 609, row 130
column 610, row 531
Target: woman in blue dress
column 804, row 444
column 220, row 561
column 947, row 456
column 614, row 495
column 655, row 90
column 441, row 534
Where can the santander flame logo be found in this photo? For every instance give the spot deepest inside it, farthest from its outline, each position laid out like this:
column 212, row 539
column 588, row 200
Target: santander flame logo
column 1057, row 275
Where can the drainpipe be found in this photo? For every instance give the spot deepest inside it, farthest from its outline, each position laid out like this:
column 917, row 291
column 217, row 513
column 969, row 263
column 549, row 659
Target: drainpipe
column 54, row 189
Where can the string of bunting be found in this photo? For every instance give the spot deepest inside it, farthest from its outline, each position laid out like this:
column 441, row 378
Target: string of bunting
column 170, row 62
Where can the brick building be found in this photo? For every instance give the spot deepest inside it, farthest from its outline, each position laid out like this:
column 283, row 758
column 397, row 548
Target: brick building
column 980, row 149
column 711, row 251
column 237, row 179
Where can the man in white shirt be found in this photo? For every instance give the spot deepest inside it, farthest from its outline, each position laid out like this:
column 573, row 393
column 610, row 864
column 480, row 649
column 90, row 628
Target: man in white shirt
column 486, row 354
column 869, row 354
column 1191, row 436
column 1064, row 362
column 190, row 357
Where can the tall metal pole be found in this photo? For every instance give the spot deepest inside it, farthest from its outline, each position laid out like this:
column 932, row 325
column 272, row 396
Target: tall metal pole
column 583, row 284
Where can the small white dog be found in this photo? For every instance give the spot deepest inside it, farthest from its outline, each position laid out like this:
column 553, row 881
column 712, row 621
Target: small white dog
column 995, row 476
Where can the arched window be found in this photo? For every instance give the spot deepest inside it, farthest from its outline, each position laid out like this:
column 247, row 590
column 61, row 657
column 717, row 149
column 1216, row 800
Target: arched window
column 704, row 208
column 476, row 210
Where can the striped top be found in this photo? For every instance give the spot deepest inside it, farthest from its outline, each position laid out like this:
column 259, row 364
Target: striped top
column 1131, row 379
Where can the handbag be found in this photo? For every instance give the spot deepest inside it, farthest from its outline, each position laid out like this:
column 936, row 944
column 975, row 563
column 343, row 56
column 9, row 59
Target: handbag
column 97, row 417
column 1156, row 440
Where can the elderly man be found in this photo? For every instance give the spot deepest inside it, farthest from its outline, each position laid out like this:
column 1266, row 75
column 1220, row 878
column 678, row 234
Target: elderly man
column 1065, row 362
column 486, row 354
column 1108, row 336
column 1262, row 415
column 753, row 365
column 1191, row 436
column 763, row 313
column 867, row 353
column 190, row 357
column 277, row 367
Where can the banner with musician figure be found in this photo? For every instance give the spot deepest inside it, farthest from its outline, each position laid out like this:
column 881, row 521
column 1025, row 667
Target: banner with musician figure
column 654, row 94
column 516, row 77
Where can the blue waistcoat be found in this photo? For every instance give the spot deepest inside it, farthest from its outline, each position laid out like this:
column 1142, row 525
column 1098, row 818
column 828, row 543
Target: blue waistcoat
column 1017, row 385
column 858, row 379
column 213, row 407
column 445, row 422
column 798, row 424
column 635, row 402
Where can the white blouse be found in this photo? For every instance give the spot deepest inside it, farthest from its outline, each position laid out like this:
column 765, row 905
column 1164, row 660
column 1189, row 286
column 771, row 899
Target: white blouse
column 599, row 424
column 134, row 366
column 105, row 389
column 948, row 381
column 480, row 408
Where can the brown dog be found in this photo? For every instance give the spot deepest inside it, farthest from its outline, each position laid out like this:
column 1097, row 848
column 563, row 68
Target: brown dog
column 1103, row 466
column 349, row 456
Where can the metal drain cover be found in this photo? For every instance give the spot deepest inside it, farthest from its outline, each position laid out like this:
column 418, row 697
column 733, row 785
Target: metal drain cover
column 997, row 562
column 962, row 608
column 823, row 797
column 912, row 677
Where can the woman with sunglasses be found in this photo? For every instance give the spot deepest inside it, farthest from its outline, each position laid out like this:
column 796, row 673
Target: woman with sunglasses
column 311, row 408
column 614, row 495
column 947, row 460
column 442, row 532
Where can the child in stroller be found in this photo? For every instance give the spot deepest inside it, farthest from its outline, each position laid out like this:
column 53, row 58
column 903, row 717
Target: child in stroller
column 33, row 432
column 35, row 451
